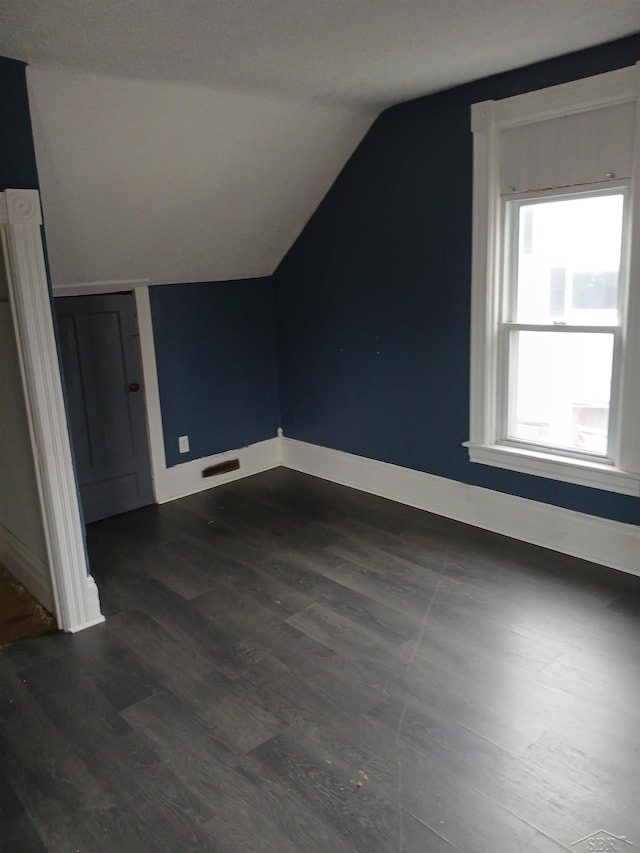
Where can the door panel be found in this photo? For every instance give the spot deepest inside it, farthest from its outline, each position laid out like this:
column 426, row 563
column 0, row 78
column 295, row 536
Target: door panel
column 68, row 339
column 101, row 362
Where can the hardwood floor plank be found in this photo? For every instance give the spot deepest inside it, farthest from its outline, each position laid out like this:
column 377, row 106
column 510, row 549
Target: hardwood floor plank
column 339, row 633
column 197, row 754
column 126, row 765
column 305, row 574
column 56, row 786
column 17, row 831
column 172, row 658
column 108, row 664
column 372, row 816
column 291, row 665
column 276, row 652
column 528, row 786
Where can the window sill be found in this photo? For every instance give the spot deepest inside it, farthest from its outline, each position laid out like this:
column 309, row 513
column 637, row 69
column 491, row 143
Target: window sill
column 596, row 475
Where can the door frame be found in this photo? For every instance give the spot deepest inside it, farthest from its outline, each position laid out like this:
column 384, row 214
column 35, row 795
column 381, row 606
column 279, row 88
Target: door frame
column 149, row 385
column 125, row 304
column 75, row 592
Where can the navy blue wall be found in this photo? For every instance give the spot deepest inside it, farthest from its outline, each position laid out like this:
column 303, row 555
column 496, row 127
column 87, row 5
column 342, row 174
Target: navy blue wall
column 217, row 366
column 373, row 300
column 17, row 157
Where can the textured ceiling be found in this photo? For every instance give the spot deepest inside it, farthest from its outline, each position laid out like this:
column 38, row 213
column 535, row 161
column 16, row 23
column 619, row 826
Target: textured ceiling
column 367, row 53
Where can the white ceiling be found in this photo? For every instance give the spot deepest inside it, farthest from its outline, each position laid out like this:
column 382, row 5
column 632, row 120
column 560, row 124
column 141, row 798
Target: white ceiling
column 174, row 182
column 368, row 53
column 190, row 140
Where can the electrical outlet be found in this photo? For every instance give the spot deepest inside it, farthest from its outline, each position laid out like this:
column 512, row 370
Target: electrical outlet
column 183, row 443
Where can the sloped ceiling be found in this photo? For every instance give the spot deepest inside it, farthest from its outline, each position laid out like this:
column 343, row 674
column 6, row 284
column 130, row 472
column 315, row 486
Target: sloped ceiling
column 175, row 182
column 191, row 141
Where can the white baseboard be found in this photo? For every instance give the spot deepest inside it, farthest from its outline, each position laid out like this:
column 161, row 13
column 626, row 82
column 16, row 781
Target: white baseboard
column 589, row 537
column 32, row 572
column 182, row 480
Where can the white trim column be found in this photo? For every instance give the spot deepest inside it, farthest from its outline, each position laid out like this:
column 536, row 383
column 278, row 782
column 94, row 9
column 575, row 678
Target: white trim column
column 75, row 591
column 152, row 395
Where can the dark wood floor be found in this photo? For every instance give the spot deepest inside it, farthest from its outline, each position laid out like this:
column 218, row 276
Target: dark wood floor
column 288, row 665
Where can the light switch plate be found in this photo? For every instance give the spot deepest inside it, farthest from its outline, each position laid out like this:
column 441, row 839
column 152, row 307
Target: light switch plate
column 183, row 443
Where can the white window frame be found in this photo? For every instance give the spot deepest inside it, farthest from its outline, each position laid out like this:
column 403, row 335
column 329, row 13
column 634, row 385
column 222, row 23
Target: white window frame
column 621, row 473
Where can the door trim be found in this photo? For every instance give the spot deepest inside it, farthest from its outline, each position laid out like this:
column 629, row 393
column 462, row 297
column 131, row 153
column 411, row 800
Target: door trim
column 151, row 389
column 94, row 288
column 75, row 592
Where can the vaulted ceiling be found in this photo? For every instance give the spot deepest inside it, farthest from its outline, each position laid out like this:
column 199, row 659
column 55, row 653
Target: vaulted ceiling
column 192, row 140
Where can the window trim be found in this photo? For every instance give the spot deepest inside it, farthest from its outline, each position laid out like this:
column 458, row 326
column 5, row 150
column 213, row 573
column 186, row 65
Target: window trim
column 488, row 119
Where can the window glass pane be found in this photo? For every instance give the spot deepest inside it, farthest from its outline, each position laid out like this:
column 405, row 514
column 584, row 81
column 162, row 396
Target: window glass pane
column 568, row 264
column 561, row 387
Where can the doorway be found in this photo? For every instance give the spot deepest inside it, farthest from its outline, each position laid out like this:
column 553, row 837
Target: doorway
column 100, row 353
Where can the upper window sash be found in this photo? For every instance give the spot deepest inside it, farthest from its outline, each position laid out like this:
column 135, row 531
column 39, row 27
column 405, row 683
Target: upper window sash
column 508, row 230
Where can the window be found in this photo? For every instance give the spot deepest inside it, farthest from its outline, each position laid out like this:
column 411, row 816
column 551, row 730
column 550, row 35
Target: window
column 560, row 328
column 555, row 385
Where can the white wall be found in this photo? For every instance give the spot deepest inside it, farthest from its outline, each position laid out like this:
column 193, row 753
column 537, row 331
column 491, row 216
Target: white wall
column 176, row 182
column 23, row 547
